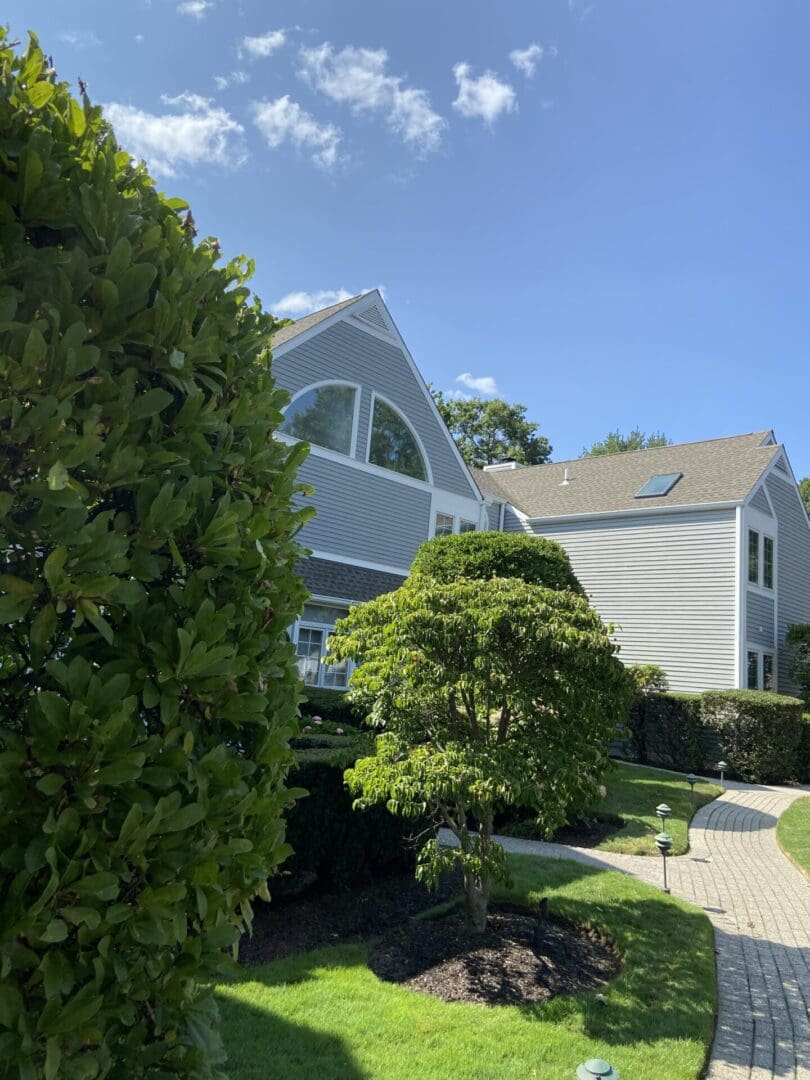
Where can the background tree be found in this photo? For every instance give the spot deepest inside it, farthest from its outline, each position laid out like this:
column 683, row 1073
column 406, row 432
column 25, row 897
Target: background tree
column 146, row 578
column 489, row 430
column 490, row 693
column 617, row 443
column 804, row 491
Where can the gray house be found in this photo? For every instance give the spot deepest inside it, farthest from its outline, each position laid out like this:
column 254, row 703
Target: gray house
column 699, row 554
column 385, row 471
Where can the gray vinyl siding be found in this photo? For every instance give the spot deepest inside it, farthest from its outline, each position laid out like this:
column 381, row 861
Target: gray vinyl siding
column 494, row 517
column 759, row 620
column 792, row 569
column 667, row 584
column 759, row 502
column 363, row 516
column 511, row 522
column 347, row 353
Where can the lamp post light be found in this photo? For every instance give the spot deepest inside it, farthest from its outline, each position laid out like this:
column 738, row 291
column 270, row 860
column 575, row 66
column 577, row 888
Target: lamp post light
column 663, row 842
column 596, row 1069
column 721, row 767
column 664, row 812
column 691, row 781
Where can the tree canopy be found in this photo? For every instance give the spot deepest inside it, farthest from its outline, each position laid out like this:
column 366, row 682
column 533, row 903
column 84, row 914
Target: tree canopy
column 489, row 692
column 490, row 430
column 147, row 552
column 486, row 555
column 804, row 491
column 617, row 443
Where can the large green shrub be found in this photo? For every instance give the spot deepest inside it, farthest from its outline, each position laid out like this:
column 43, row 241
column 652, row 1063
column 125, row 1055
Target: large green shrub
column 667, row 729
column 760, row 733
column 147, row 693
column 798, row 639
column 333, row 706
column 493, row 554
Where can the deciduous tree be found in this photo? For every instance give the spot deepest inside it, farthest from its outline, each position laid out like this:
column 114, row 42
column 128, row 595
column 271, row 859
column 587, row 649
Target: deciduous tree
column 617, row 443
column 487, row 431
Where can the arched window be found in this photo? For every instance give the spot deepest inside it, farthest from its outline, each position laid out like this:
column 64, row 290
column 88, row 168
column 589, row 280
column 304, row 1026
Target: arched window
column 393, row 444
column 323, row 415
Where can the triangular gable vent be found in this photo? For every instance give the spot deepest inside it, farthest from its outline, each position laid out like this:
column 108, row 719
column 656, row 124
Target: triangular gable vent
column 781, row 466
column 374, row 317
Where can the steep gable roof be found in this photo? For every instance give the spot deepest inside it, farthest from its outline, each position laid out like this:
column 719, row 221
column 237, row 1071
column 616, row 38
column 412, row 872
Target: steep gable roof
column 280, row 337
column 713, row 471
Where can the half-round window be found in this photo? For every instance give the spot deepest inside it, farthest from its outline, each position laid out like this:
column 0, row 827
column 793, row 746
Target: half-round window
column 323, row 415
column 393, row 445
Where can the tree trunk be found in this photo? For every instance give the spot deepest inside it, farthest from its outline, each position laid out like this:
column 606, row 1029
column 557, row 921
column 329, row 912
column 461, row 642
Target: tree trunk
column 478, row 890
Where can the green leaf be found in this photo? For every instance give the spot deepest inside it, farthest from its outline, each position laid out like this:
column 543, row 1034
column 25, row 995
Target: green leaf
column 135, row 282
column 13, row 608
column 119, row 259
column 53, row 567
column 78, row 121
column 53, row 1059
column 11, row 1004
column 120, row 772
column 43, row 626
column 184, row 818
column 30, row 172
column 50, row 784
column 58, row 476
column 40, row 94
column 103, row 886
column 35, row 349
column 55, row 931
column 150, row 403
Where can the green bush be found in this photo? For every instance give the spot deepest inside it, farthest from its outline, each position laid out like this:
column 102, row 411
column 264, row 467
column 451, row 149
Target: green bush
column 147, row 691
column 491, row 554
column 332, row 706
column 667, row 729
column 803, row 754
column 798, row 639
column 759, row 732
column 335, row 846
column 649, row 678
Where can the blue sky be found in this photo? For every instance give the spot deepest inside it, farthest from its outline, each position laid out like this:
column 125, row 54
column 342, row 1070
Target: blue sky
column 598, row 207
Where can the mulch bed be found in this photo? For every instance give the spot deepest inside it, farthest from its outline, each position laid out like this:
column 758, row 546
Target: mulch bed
column 585, row 833
column 517, row 960
column 285, row 927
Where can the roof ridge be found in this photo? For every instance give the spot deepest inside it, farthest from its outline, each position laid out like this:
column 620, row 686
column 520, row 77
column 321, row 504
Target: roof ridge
column 642, row 450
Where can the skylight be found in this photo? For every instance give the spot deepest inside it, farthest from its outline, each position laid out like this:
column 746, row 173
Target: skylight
column 659, row 485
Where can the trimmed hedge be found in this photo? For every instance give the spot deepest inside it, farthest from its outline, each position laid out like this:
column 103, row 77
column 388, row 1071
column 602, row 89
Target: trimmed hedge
column 667, row 729
column 484, row 555
column 760, row 732
column 336, row 847
column 330, row 705
column 803, row 755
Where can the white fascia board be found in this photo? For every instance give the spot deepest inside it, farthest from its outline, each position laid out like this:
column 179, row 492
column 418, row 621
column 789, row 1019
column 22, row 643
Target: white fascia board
column 651, row 511
column 772, row 468
column 305, row 335
column 330, row 556
column 739, row 598
column 338, row 601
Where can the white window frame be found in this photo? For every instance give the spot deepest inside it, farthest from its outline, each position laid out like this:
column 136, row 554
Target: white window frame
column 327, row 629
column 759, row 584
column 428, row 481
column 358, row 393
column 456, row 519
column 761, row 652
column 450, row 517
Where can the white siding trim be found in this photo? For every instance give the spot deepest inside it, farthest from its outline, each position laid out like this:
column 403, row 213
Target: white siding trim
column 739, row 598
column 331, row 557
column 629, row 512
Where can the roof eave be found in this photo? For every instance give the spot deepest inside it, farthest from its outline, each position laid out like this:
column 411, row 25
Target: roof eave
column 641, row 511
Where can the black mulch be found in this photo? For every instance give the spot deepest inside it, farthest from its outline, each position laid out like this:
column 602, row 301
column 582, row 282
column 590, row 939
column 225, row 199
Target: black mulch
column 517, row 960
column 285, row 927
column 585, row 833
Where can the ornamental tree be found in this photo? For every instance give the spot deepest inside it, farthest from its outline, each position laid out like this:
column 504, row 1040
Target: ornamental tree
column 147, row 692
column 487, row 430
column 488, row 693
column 495, row 554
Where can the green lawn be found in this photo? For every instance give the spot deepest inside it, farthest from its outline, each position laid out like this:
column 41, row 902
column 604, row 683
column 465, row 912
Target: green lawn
column 633, row 793
column 793, row 833
column 324, row 1014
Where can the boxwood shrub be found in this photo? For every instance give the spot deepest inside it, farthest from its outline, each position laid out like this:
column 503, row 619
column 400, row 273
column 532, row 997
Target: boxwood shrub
column 667, row 729
column 333, row 706
column 760, row 733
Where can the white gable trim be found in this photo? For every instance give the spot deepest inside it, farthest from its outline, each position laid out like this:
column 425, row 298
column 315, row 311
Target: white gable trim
column 790, row 475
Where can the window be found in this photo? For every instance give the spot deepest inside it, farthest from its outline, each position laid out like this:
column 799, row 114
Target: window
column 466, row 526
column 324, row 416
column 767, row 561
column 393, row 445
column 753, row 556
column 659, row 485
column 753, row 671
column 444, row 525
column 312, row 646
column 767, row 671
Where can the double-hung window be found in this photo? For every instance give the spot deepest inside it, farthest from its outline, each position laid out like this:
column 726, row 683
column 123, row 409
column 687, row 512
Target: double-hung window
column 444, row 525
column 312, row 645
column 767, row 561
column 760, row 673
column 753, row 556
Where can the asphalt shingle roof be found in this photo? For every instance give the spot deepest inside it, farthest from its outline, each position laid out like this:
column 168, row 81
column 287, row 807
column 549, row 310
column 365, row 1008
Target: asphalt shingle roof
column 323, row 577
column 300, row 325
column 714, row 471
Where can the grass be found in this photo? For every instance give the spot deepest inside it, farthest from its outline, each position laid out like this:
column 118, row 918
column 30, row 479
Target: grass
column 793, row 833
column 325, row 1014
column 633, row 792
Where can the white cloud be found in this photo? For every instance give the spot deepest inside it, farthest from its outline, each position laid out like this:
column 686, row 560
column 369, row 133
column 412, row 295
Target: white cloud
column 139, row 39
column 236, row 78
column 82, row 39
column 195, row 8
column 296, row 304
column 485, row 97
column 483, row 384
column 525, row 60
column 357, row 77
column 283, row 119
column 263, row 45
column 201, row 133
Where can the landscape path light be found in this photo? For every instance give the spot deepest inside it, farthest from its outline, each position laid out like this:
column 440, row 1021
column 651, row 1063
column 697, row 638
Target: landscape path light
column 663, row 842
column 596, row 1069
column 664, row 812
column 691, row 781
column 721, row 768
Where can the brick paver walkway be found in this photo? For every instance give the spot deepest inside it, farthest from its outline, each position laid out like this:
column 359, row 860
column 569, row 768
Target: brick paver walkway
column 759, row 904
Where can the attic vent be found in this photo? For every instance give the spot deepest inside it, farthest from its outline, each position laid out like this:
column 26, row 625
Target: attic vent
column 373, row 316
column 658, row 485
column 566, row 480
column 781, row 465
